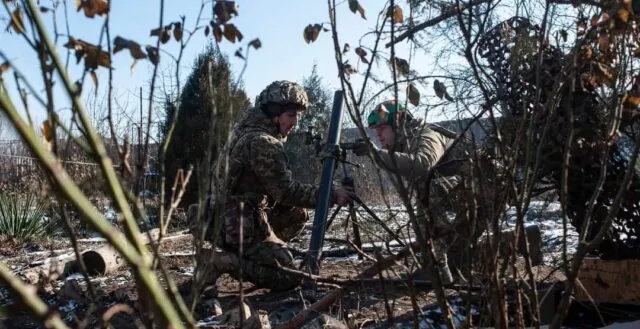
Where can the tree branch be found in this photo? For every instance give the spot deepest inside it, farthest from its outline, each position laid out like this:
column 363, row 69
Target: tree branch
column 434, row 21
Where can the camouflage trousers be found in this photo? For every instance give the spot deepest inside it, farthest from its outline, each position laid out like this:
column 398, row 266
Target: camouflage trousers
column 434, row 215
column 458, row 214
column 261, row 260
column 260, row 265
column 286, row 222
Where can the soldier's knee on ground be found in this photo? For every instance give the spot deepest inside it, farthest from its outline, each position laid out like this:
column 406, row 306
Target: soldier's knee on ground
column 262, row 267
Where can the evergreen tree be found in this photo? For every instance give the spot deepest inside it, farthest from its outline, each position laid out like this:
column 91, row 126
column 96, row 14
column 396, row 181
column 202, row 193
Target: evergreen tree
column 318, row 115
column 193, row 128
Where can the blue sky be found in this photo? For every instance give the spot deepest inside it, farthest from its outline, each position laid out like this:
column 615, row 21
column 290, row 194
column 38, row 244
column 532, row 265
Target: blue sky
column 279, row 25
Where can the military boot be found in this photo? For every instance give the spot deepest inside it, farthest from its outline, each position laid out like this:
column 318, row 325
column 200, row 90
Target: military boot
column 441, row 264
column 211, row 265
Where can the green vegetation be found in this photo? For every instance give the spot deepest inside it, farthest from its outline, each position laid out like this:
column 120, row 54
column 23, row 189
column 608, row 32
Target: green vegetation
column 25, row 217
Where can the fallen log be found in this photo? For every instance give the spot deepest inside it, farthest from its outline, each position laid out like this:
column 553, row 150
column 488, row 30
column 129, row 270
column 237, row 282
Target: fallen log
column 100, row 261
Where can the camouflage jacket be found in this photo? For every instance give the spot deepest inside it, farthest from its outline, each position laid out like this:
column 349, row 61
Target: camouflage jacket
column 258, row 175
column 425, row 150
column 422, row 150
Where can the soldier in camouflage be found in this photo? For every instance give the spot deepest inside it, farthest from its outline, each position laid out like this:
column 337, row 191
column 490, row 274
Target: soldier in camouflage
column 413, row 158
column 260, row 195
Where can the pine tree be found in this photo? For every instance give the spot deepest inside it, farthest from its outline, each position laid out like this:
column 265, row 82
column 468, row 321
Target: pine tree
column 191, row 134
column 317, row 115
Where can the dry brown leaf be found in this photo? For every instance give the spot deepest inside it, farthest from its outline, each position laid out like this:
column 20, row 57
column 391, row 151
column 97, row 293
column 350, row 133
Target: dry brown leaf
column 94, row 78
column 311, row 33
column 136, row 51
column 587, row 52
column 231, row 33
column 255, row 43
column 603, row 42
column 355, row 6
column 163, row 33
column 47, row 130
column 120, row 43
column 349, row 69
column 4, row 67
column 206, row 31
column 17, row 21
column 154, row 56
column 413, row 94
column 361, row 11
column 623, row 15
column 441, row 90
column 217, row 33
column 224, row 9
column 398, row 17
column 92, row 55
column 93, row 7
column 402, row 66
column 95, row 57
column 134, row 48
column 363, row 54
column 165, row 36
column 177, row 31
column 605, row 73
column 631, row 100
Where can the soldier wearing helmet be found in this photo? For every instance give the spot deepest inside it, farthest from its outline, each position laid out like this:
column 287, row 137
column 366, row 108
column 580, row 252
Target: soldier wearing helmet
column 412, row 149
column 257, row 190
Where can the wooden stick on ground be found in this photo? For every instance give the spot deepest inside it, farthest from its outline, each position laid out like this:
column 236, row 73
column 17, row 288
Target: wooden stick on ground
column 333, row 295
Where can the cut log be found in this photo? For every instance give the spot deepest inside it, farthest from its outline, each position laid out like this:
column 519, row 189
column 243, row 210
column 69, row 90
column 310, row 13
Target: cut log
column 609, row 281
column 100, row 261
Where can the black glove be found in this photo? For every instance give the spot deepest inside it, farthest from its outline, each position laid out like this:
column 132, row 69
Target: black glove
column 361, row 147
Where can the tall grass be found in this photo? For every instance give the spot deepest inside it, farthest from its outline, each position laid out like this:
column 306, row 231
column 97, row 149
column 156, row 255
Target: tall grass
column 24, row 217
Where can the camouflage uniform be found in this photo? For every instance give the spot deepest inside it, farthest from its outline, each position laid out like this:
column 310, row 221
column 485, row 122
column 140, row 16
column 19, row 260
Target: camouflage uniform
column 260, row 193
column 425, row 150
column 422, row 150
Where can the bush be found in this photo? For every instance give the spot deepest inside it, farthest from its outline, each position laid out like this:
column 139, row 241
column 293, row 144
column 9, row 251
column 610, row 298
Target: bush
column 24, row 217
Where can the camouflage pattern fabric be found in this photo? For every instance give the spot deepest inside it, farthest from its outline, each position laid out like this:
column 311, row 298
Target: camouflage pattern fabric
column 260, row 266
column 257, row 191
column 259, row 178
column 288, row 222
column 283, row 92
column 445, row 198
column 423, row 150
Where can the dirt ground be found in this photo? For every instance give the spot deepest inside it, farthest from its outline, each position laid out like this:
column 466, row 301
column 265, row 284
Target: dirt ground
column 371, row 303
column 71, row 297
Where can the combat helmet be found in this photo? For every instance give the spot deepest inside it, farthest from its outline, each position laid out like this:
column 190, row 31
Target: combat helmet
column 285, row 93
column 385, row 113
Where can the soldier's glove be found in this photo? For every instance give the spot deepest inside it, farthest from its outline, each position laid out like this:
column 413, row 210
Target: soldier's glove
column 361, row 147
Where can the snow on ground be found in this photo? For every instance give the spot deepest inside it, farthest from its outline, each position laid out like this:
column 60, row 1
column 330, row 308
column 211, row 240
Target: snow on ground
column 545, row 214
